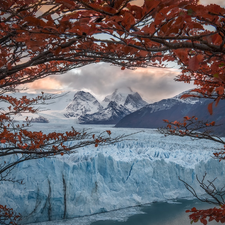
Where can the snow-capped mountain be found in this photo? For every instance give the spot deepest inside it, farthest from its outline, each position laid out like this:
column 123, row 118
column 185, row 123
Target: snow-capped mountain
column 152, row 115
column 134, row 102
column 125, row 97
column 110, row 115
column 119, row 96
column 114, row 107
column 53, row 109
column 83, row 103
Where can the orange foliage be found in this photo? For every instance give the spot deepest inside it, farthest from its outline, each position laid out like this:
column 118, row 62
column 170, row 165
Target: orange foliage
column 35, row 43
column 7, row 216
column 216, row 214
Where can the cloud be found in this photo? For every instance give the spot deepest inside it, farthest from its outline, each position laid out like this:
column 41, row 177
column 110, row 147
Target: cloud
column 102, row 79
column 218, row 2
column 48, row 84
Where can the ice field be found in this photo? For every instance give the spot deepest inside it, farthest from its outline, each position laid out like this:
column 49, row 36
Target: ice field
column 142, row 169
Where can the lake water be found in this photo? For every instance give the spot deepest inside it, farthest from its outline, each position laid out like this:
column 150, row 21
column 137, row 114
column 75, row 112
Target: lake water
column 161, row 213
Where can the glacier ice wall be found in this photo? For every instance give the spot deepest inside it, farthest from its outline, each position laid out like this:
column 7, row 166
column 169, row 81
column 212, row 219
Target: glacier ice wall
column 98, row 180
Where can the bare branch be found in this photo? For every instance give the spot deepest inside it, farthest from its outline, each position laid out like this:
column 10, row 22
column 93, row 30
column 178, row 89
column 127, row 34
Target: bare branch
column 217, row 195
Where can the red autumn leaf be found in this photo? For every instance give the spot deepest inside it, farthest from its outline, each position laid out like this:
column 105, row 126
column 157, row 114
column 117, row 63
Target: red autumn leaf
column 220, row 90
column 204, row 221
column 210, row 108
column 57, row 51
column 143, row 53
column 137, row 11
column 217, row 39
column 149, row 5
column 128, row 20
column 194, row 62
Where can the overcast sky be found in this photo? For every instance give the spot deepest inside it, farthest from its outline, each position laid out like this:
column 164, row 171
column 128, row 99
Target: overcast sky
column 101, row 79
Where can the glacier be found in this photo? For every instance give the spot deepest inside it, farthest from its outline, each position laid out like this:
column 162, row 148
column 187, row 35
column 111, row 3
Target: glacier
column 141, row 169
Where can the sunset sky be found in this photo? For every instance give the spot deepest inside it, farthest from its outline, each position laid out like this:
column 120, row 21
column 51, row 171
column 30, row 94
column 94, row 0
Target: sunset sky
column 101, row 79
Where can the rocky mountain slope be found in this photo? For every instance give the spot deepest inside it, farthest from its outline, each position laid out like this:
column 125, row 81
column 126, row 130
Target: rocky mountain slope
column 152, row 115
column 83, row 103
column 114, row 107
column 110, row 115
column 125, row 97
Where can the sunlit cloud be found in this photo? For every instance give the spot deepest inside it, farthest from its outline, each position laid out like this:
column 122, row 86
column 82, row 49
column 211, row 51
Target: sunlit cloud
column 48, row 84
column 102, row 79
column 218, row 2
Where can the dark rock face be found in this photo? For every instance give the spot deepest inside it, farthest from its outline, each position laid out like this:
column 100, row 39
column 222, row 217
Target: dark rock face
column 110, row 115
column 134, row 101
column 152, row 115
column 127, row 98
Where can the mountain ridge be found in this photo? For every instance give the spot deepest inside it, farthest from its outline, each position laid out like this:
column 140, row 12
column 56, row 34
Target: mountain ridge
column 152, row 115
column 86, row 108
column 82, row 104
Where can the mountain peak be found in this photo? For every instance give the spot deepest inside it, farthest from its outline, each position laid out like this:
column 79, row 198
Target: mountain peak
column 119, row 96
column 120, row 103
column 84, row 96
column 82, row 104
column 134, row 102
column 110, row 115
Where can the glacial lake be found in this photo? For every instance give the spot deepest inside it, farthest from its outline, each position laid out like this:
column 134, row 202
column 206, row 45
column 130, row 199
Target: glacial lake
column 158, row 213
column 162, row 213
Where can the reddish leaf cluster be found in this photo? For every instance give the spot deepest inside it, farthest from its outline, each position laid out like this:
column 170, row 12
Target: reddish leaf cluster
column 217, row 214
column 7, row 216
column 189, row 127
column 40, row 38
column 220, row 154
